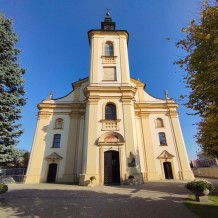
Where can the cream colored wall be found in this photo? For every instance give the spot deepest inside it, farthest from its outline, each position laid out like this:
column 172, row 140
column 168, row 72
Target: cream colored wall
column 60, row 151
column 135, row 141
column 42, row 145
column 142, row 95
column 98, row 41
column 181, row 149
column 162, row 108
column 102, row 41
column 140, row 143
column 94, row 56
column 82, row 97
column 80, row 147
column 100, row 116
column 83, row 126
column 130, row 134
column 68, row 144
column 90, row 149
column 158, row 149
column 91, row 152
column 36, row 159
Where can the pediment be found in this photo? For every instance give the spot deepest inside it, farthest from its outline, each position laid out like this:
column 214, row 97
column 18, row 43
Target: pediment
column 165, row 155
column 54, row 156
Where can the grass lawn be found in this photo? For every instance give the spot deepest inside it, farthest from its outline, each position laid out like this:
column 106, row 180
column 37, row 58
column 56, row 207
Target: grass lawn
column 204, row 210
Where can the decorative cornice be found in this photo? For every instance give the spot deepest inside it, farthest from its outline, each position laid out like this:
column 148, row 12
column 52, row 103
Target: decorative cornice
column 153, row 105
column 74, row 110
column 44, row 115
column 60, row 105
column 77, row 114
column 117, row 89
column 95, row 92
column 97, row 33
column 93, row 99
column 110, row 143
column 127, row 100
column 173, row 114
column 144, row 108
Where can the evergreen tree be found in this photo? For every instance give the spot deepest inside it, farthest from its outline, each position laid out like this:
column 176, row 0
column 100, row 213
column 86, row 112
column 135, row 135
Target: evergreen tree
column 11, row 91
column 201, row 65
column 18, row 157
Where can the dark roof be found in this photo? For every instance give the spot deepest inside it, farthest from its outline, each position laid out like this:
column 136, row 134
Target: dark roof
column 108, row 26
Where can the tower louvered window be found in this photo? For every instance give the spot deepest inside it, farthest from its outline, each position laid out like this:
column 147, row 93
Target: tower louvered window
column 109, row 49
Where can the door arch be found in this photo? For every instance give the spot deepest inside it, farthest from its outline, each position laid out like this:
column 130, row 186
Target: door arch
column 168, row 170
column 111, row 167
column 52, row 171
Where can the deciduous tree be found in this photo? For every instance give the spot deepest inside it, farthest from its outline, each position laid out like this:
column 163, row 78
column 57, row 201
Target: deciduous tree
column 201, row 66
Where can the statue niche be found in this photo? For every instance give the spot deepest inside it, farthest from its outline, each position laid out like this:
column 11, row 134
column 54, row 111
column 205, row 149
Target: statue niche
column 131, row 160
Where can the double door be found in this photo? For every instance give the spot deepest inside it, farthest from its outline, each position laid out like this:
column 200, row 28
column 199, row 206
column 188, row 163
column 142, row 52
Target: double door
column 111, row 168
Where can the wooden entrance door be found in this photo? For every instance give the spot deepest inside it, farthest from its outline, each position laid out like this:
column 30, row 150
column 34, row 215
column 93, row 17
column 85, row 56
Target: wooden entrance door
column 168, row 170
column 111, row 167
column 52, row 171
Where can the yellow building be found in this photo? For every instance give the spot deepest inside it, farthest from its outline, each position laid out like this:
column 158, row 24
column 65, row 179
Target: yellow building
column 108, row 126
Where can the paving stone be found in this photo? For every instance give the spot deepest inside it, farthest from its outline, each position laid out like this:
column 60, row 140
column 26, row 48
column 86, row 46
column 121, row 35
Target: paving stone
column 149, row 200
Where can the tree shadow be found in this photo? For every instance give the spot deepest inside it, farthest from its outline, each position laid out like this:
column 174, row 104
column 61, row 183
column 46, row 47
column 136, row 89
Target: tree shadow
column 92, row 202
column 170, row 187
column 203, row 209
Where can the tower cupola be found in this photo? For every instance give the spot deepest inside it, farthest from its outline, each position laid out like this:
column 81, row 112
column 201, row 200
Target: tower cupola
column 108, row 24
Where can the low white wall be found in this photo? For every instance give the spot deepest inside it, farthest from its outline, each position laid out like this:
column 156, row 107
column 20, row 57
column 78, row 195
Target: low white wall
column 211, row 172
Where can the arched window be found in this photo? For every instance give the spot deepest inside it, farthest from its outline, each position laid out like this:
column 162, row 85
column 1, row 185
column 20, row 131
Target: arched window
column 110, row 112
column 109, row 49
column 56, row 141
column 162, row 138
column 159, row 122
column 59, row 123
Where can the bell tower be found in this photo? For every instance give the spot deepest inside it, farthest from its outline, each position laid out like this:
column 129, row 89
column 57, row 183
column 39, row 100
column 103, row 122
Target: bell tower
column 109, row 85
column 109, row 55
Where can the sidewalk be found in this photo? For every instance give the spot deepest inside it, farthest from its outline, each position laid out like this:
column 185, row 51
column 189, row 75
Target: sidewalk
column 152, row 200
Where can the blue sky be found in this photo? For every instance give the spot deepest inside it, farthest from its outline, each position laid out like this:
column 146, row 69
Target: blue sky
column 55, row 50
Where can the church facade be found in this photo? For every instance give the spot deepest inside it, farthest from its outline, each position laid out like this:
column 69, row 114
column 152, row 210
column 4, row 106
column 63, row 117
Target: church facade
column 108, row 127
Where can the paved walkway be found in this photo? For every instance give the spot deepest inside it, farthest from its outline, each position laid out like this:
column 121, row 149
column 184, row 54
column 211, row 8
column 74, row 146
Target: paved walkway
column 152, row 200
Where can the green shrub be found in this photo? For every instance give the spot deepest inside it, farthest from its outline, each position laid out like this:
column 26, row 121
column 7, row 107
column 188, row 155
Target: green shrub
column 199, row 185
column 3, row 188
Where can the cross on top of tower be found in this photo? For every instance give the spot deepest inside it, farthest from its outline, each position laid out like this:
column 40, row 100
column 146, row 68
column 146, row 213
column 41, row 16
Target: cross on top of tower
column 107, row 11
